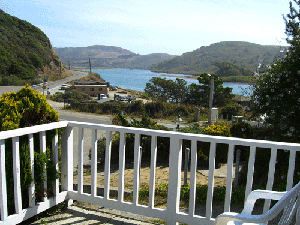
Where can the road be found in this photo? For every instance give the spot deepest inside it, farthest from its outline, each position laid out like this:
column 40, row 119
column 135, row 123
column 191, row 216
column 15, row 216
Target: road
column 54, row 85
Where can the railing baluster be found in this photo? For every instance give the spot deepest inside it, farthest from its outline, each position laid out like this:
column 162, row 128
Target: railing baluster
column 80, row 160
column 55, row 163
column 3, row 190
column 107, row 164
column 16, row 171
column 43, row 149
column 152, row 171
column 32, row 185
column 250, row 171
column 67, row 161
column 174, row 179
column 121, row 167
column 290, row 175
column 136, row 175
column 229, row 178
column 271, row 174
column 193, row 181
column 94, row 164
column 210, row 189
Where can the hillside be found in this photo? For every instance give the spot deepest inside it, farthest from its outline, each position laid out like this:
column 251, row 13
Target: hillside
column 241, row 58
column 25, row 52
column 108, row 56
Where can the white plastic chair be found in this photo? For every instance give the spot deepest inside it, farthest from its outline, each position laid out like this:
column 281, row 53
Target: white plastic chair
column 288, row 204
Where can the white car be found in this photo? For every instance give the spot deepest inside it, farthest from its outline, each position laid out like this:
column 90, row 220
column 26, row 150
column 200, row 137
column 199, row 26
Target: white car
column 64, row 86
column 102, row 96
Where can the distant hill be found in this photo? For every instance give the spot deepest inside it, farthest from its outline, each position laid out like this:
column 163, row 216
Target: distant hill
column 236, row 57
column 25, row 52
column 108, row 56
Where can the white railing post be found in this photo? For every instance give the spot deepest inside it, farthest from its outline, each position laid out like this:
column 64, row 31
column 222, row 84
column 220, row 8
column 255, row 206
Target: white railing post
column 193, row 172
column 136, row 174
column 229, row 178
column 67, row 161
column 211, row 173
column 175, row 161
column 271, row 175
column 43, row 150
column 55, row 163
column 80, row 161
column 17, row 178
column 107, row 164
column 121, row 167
column 32, row 185
column 250, row 173
column 290, row 175
column 94, row 163
column 3, row 191
column 152, row 171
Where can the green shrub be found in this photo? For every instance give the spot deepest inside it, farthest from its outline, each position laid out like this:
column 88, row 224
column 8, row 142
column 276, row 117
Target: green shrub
column 161, row 190
column 26, row 108
column 217, row 130
column 241, row 130
column 195, row 129
column 230, row 110
column 136, row 108
column 71, row 96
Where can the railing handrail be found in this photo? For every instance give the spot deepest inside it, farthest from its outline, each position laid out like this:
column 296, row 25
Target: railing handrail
column 190, row 136
column 32, row 130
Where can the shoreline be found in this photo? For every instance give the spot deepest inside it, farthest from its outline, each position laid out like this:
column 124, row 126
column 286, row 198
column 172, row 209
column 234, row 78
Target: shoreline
column 125, row 74
column 181, row 76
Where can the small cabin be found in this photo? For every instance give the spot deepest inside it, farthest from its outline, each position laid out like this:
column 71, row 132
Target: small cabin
column 92, row 89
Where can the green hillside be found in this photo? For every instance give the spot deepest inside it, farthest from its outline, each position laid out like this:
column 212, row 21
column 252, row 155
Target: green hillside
column 25, row 52
column 237, row 57
column 108, row 56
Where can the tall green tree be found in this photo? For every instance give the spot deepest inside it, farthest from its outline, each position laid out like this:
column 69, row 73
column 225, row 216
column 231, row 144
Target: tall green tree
column 166, row 90
column 198, row 94
column 277, row 92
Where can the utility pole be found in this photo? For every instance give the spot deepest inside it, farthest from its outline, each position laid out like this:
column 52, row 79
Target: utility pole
column 211, row 97
column 60, row 68
column 90, row 65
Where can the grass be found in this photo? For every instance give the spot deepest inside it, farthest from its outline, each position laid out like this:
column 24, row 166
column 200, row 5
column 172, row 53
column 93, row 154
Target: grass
column 50, row 212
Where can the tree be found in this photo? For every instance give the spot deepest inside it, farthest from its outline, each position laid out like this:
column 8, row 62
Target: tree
column 166, row 90
column 277, row 92
column 199, row 94
column 27, row 108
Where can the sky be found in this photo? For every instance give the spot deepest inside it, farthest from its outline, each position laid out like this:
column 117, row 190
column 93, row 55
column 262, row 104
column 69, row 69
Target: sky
column 154, row 26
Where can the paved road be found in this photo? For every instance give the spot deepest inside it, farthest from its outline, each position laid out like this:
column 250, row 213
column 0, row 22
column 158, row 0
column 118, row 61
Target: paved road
column 81, row 117
column 54, row 85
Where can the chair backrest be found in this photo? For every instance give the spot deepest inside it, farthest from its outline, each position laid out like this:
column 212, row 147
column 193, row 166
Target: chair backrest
column 289, row 204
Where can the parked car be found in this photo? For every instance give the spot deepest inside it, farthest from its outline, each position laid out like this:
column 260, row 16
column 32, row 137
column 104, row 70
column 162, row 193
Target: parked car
column 101, row 96
column 131, row 98
column 121, row 98
column 64, row 86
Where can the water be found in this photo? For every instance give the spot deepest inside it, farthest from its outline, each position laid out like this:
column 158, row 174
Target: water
column 136, row 79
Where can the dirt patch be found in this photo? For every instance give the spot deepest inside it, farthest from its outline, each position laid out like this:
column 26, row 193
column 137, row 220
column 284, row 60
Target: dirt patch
column 161, row 177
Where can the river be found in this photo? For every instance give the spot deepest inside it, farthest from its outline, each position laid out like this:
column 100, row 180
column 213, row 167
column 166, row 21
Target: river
column 136, row 79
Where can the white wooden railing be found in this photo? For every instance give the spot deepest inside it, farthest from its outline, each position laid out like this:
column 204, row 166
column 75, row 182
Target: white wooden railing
column 171, row 214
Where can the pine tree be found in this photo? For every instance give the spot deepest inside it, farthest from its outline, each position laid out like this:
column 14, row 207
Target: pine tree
column 277, row 92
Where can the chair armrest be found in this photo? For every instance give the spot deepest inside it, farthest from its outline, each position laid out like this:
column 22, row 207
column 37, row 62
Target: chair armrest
column 225, row 217
column 260, row 194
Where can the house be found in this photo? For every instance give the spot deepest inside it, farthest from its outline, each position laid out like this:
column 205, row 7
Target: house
column 93, row 89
